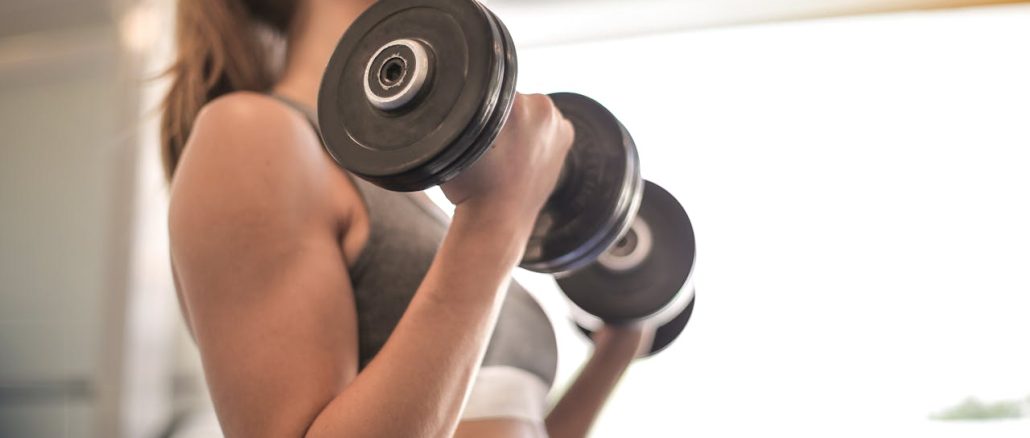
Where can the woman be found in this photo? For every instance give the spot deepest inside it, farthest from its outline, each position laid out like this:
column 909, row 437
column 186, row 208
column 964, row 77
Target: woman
column 325, row 306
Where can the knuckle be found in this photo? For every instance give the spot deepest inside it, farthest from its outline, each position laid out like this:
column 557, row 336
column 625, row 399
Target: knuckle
column 542, row 103
column 566, row 127
column 521, row 107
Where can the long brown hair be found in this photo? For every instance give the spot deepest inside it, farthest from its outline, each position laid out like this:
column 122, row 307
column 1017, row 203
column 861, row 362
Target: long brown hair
column 222, row 46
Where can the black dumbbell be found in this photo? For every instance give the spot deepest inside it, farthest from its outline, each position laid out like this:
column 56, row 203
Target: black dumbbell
column 417, row 90
column 646, row 277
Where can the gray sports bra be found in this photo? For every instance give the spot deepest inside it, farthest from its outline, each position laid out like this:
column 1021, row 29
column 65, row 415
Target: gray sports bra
column 406, row 231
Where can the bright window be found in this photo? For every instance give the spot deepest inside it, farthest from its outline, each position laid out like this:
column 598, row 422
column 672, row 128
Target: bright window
column 859, row 188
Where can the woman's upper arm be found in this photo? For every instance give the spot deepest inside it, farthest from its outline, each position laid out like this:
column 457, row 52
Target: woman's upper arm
column 255, row 232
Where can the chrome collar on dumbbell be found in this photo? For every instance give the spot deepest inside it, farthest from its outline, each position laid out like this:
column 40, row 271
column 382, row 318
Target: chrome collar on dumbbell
column 396, row 74
column 630, row 250
column 417, row 90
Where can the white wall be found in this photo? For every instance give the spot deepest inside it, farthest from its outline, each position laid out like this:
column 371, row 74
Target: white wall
column 65, row 157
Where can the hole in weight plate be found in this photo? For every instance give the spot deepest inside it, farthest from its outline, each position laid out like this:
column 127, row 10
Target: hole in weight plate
column 625, row 245
column 392, row 72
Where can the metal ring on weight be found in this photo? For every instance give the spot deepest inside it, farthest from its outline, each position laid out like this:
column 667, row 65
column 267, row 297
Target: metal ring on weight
column 419, row 72
column 641, row 239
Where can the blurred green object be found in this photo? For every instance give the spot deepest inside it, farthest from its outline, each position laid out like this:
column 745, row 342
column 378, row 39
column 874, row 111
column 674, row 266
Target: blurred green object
column 972, row 409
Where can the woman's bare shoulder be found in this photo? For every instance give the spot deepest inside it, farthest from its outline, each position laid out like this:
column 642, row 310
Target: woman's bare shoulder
column 250, row 154
column 249, row 128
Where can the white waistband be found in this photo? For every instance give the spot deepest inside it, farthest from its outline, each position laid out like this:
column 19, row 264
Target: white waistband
column 507, row 392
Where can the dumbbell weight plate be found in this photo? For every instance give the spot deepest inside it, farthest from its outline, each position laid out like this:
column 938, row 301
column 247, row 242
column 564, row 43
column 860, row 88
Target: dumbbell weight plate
column 671, row 330
column 468, row 83
column 640, row 276
column 454, row 64
column 664, row 334
column 598, row 194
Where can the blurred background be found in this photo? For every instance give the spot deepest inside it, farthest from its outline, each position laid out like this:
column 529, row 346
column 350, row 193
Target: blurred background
column 856, row 171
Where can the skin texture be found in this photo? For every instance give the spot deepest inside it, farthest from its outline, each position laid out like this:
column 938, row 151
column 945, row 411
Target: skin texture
column 263, row 226
column 614, row 348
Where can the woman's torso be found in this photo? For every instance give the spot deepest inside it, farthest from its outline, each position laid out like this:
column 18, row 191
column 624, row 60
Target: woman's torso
column 404, row 232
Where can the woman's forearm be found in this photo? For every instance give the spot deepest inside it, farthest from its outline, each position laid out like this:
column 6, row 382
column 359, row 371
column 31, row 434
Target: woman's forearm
column 579, row 407
column 416, row 385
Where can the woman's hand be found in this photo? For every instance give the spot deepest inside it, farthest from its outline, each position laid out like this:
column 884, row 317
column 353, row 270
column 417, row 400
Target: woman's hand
column 519, row 173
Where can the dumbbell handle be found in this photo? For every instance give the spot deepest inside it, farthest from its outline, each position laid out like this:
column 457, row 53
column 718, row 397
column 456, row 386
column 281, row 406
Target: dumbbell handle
column 598, row 190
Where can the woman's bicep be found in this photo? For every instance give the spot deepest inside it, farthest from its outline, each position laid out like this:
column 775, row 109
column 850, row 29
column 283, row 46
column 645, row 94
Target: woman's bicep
column 277, row 351
column 257, row 255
